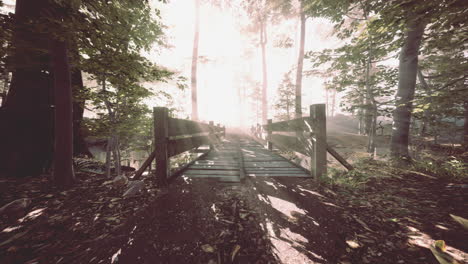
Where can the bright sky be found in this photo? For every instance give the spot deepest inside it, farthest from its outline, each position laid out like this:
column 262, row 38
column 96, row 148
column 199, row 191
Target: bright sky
column 224, row 46
column 223, row 49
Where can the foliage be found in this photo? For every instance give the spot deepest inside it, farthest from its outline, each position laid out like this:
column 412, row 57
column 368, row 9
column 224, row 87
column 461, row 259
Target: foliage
column 284, row 105
column 451, row 168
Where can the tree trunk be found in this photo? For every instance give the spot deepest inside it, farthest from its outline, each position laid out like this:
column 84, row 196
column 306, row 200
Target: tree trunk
column 6, row 79
column 371, row 108
column 407, row 71
column 426, row 113
column 63, row 150
column 108, row 157
column 27, row 140
column 263, row 42
column 195, row 61
column 333, row 103
column 300, row 65
column 465, row 126
column 116, row 154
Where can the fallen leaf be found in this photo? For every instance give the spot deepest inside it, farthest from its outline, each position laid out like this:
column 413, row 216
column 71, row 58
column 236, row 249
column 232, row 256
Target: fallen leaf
column 352, row 244
column 462, row 221
column 234, row 252
column 207, row 248
column 13, row 238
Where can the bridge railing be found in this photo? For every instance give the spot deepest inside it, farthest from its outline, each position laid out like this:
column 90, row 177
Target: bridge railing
column 305, row 135
column 173, row 136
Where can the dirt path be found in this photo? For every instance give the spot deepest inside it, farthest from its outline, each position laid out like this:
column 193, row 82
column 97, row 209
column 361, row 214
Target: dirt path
column 201, row 220
column 391, row 218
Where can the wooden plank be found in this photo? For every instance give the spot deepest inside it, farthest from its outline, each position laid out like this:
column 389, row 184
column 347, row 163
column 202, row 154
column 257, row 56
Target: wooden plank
column 213, row 168
column 211, row 172
column 319, row 155
column 184, row 167
column 177, row 146
column 145, row 165
column 277, row 172
column 277, row 169
column 339, row 158
column 278, row 175
column 179, row 127
column 291, row 125
column 160, row 126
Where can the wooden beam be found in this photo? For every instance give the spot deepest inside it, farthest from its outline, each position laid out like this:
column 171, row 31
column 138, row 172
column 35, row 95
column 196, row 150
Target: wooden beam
column 319, row 126
column 161, row 134
column 212, row 133
column 269, row 135
column 177, row 146
column 180, row 127
column 145, row 165
column 339, row 158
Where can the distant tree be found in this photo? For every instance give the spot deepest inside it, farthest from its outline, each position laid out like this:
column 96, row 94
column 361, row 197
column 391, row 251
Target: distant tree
column 195, row 61
column 260, row 16
column 286, row 99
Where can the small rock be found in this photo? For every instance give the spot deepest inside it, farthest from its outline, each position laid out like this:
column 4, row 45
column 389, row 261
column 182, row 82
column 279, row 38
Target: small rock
column 120, row 181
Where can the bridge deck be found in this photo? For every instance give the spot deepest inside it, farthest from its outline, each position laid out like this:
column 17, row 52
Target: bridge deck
column 237, row 156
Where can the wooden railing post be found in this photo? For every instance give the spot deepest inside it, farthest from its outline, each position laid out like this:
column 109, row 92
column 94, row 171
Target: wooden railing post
column 212, row 136
column 319, row 155
column 269, row 135
column 161, row 134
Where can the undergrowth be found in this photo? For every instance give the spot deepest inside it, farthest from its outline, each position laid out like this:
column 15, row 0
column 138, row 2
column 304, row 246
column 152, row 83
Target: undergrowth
column 354, row 179
column 450, row 168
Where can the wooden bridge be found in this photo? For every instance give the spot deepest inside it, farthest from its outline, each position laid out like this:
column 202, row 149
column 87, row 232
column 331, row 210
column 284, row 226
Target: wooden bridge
column 233, row 157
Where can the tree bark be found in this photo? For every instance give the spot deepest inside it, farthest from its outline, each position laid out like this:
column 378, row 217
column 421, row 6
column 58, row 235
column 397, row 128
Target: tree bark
column 263, row 42
column 465, row 126
column 108, row 156
column 407, row 71
column 63, row 149
column 195, row 61
column 426, row 113
column 300, row 65
column 27, row 140
column 6, row 79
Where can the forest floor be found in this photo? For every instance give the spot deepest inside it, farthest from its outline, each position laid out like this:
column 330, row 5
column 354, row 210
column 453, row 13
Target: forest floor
column 391, row 217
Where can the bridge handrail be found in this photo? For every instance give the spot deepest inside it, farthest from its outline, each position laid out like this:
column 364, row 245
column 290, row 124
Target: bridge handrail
column 314, row 146
column 310, row 138
column 173, row 136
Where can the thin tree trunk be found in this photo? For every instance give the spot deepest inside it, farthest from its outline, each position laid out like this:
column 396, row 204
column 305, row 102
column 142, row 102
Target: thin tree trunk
column 371, row 108
column 5, row 86
column 465, row 126
column 63, row 151
column 407, row 71
column 116, row 154
column 333, row 103
column 300, row 65
column 108, row 157
column 426, row 113
column 263, row 42
column 195, row 61
column 327, row 103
